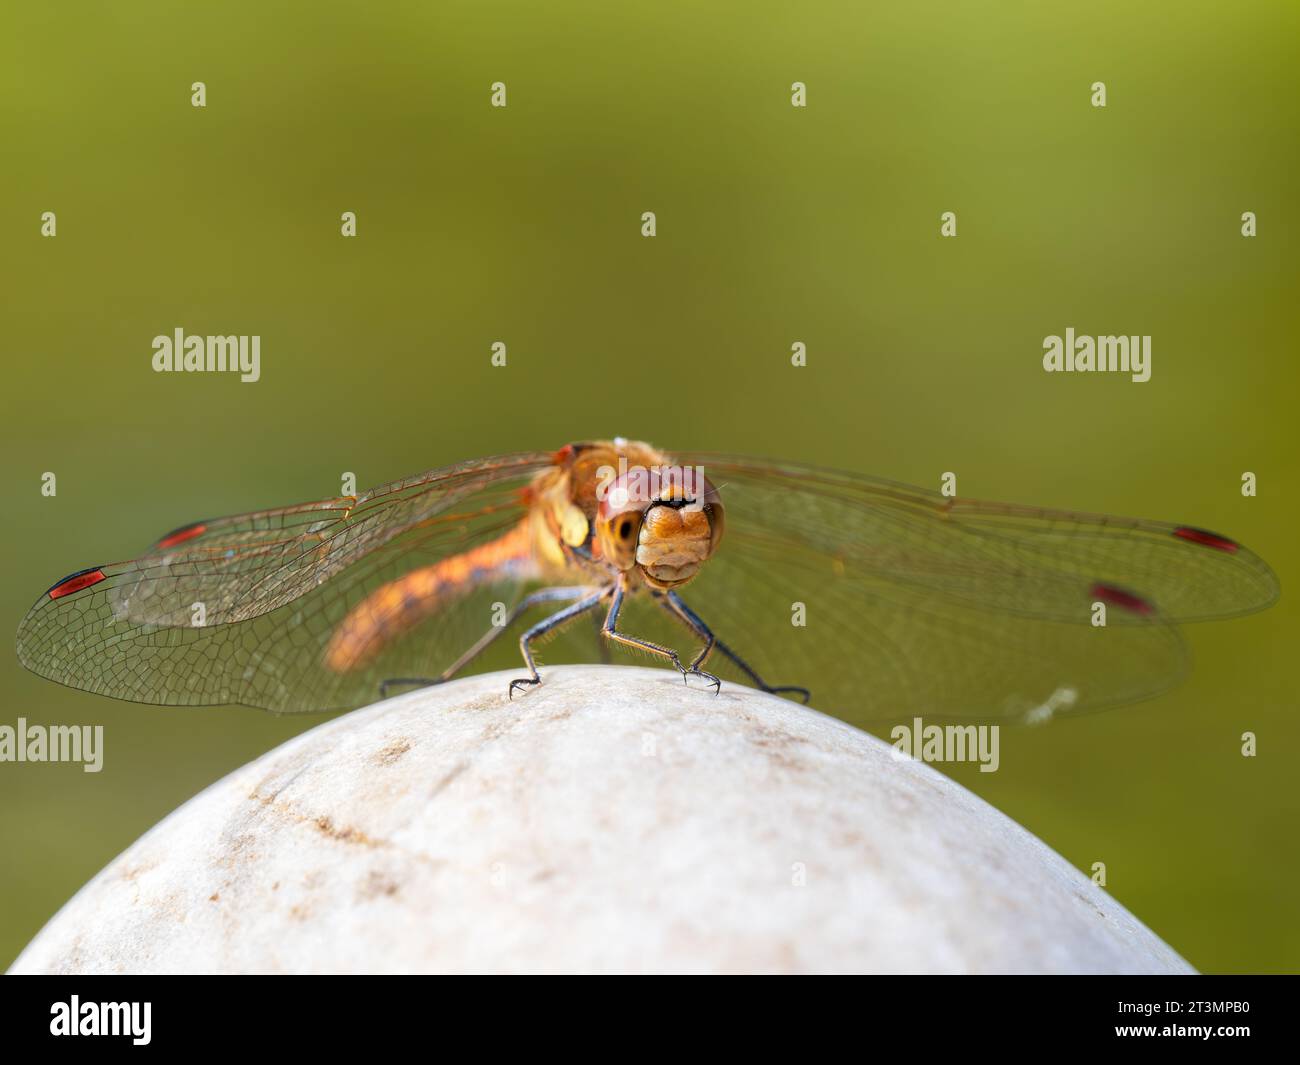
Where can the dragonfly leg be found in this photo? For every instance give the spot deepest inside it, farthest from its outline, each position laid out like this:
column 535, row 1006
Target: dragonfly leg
column 673, row 603
column 544, row 595
column 682, row 613
column 611, row 632
column 549, row 625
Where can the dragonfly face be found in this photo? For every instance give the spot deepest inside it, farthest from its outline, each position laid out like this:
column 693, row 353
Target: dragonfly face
column 898, row 601
column 661, row 523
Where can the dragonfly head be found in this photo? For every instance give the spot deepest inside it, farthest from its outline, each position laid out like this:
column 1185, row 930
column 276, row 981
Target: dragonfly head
column 665, row 522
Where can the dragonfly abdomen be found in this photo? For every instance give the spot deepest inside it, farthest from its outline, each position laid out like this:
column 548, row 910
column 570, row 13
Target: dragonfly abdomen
column 401, row 604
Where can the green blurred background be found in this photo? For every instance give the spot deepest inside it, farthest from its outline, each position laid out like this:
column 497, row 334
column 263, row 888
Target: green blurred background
column 775, row 224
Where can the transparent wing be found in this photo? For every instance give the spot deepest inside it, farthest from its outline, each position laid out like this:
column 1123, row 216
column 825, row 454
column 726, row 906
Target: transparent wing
column 912, row 603
column 274, row 587
column 920, row 605
column 247, row 565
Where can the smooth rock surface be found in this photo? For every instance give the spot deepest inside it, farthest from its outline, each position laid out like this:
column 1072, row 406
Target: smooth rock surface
column 610, row 820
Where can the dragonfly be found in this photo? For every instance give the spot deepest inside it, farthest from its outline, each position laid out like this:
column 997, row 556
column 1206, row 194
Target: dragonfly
column 876, row 600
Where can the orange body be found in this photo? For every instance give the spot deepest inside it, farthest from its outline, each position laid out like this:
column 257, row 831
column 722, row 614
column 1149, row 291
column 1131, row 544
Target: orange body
column 590, row 519
column 401, row 604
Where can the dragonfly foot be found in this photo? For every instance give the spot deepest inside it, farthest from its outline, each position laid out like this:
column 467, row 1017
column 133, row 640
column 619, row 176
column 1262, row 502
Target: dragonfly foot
column 709, row 677
column 522, row 683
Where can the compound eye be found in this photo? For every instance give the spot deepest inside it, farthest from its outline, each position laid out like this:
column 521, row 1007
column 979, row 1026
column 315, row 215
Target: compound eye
column 625, row 528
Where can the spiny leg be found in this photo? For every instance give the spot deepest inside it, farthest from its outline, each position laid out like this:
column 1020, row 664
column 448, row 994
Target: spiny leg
column 611, row 632
column 544, row 595
column 683, row 613
column 551, row 624
column 673, row 603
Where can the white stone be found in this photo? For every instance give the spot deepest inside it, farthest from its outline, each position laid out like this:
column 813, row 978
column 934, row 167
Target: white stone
column 609, row 820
